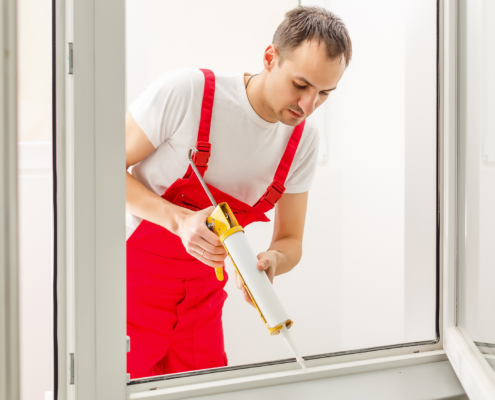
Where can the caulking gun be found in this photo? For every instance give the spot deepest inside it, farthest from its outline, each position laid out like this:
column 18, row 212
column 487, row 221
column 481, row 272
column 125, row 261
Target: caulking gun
column 223, row 223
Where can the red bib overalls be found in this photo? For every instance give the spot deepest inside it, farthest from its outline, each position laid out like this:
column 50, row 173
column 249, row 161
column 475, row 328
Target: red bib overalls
column 174, row 301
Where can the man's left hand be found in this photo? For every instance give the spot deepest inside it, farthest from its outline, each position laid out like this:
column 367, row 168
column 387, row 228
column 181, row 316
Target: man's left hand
column 267, row 261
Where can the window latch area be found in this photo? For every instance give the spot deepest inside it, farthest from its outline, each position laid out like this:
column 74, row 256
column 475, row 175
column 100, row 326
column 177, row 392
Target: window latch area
column 71, row 59
column 71, row 369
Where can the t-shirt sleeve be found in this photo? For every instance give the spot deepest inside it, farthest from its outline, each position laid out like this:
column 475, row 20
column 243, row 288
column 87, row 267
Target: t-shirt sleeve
column 161, row 108
column 301, row 179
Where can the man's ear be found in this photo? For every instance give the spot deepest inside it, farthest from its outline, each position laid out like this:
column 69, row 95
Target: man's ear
column 270, row 57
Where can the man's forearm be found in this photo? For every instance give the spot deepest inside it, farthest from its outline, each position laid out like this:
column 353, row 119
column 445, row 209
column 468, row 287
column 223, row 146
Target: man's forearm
column 288, row 252
column 143, row 203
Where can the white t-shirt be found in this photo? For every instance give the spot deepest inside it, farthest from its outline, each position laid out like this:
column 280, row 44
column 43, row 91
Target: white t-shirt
column 245, row 149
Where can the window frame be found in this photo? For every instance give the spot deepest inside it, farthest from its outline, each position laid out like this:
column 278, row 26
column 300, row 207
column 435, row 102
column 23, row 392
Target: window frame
column 472, row 369
column 9, row 310
column 91, row 204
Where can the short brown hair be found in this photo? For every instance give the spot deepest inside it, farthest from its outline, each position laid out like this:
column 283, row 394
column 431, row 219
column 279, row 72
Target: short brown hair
column 306, row 23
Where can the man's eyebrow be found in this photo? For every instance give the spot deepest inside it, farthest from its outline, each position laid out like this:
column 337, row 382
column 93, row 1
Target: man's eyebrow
column 301, row 78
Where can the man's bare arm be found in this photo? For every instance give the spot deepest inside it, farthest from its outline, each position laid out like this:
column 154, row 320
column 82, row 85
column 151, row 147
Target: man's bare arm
column 285, row 250
column 140, row 201
column 290, row 217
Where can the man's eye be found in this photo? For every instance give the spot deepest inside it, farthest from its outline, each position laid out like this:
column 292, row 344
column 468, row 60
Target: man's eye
column 299, row 86
column 325, row 93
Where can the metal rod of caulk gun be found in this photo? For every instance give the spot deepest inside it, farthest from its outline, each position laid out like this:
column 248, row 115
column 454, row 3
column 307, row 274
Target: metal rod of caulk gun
column 200, row 178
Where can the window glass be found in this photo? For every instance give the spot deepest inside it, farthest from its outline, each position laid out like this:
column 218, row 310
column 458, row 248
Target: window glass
column 368, row 272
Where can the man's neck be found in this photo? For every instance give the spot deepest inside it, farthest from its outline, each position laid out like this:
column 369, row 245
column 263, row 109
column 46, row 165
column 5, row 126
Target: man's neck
column 256, row 96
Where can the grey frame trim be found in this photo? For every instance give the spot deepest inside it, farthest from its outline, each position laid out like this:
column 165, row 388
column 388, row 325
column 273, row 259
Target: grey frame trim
column 9, row 309
column 59, row 130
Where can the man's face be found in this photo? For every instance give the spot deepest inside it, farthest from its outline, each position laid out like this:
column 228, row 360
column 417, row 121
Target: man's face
column 303, row 81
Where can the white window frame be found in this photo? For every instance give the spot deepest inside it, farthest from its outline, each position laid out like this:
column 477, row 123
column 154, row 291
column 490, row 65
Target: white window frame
column 472, row 369
column 91, row 256
column 91, row 199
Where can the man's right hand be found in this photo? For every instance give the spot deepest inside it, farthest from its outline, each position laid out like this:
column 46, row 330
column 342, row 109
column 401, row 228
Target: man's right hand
column 198, row 240
column 190, row 226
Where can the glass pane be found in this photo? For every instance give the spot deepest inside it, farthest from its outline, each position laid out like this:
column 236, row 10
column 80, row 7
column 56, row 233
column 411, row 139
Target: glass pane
column 368, row 272
column 476, row 299
column 35, row 198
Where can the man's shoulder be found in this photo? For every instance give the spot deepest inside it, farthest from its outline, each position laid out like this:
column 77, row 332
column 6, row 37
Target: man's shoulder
column 182, row 78
column 187, row 80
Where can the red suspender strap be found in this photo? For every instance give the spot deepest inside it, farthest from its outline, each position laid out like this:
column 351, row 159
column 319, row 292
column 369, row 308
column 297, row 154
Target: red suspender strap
column 207, row 106
column 277, row 188
column 204, row 147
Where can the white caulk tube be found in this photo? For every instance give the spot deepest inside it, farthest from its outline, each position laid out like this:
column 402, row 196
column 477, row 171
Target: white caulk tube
column 256, row 281
column 260, row 289
column 224, row 223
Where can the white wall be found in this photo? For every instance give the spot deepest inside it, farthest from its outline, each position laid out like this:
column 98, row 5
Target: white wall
column 34, row 70
column 35, row 269
column 368, row 270
column 35, row 197
column 221, row 35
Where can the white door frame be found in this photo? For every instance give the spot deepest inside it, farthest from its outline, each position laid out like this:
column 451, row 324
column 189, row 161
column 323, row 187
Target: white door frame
column 9, row 311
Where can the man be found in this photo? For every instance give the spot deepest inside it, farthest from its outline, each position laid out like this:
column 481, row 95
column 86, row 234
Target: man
column 255, row 148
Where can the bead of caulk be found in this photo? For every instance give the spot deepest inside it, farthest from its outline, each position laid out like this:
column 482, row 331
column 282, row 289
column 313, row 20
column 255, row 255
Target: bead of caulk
column 292, row 346
column 301, row 363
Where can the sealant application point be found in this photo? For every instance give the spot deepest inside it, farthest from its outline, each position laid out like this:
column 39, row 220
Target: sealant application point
column 288, row 338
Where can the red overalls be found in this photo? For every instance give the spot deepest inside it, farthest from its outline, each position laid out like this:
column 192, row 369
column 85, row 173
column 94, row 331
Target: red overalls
column 174, row 301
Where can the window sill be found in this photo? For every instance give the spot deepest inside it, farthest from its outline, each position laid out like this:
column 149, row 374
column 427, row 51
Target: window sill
column 284, row 377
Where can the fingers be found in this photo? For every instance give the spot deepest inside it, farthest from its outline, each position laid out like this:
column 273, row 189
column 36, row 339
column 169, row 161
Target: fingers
column 203, row 231
column 266, row 264
column 209, row 236
column 199, row 241
column 246, row 296
column 198, row 253
column 210, row 248
column 242, row 288
column 206, row 254
column 238, row 281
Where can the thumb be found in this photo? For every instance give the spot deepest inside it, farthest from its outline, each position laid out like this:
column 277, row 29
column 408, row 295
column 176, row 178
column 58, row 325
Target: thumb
column 205, row 213
column 263, row 264
column 208, row 210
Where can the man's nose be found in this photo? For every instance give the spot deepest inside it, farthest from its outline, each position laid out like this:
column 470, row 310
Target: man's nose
column 308, row 103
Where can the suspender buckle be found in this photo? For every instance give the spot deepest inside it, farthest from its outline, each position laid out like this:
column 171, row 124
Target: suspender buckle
column 273, row 193
column 203, row 155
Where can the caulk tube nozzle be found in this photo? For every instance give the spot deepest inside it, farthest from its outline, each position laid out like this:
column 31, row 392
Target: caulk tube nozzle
column 288, row 338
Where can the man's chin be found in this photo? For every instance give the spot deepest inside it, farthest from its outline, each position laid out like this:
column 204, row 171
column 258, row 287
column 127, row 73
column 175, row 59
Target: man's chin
column 288, row 119
column 291, row 121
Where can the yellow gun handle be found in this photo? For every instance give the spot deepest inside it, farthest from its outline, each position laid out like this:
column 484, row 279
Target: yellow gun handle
column 219, row 273
column 220, row 222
